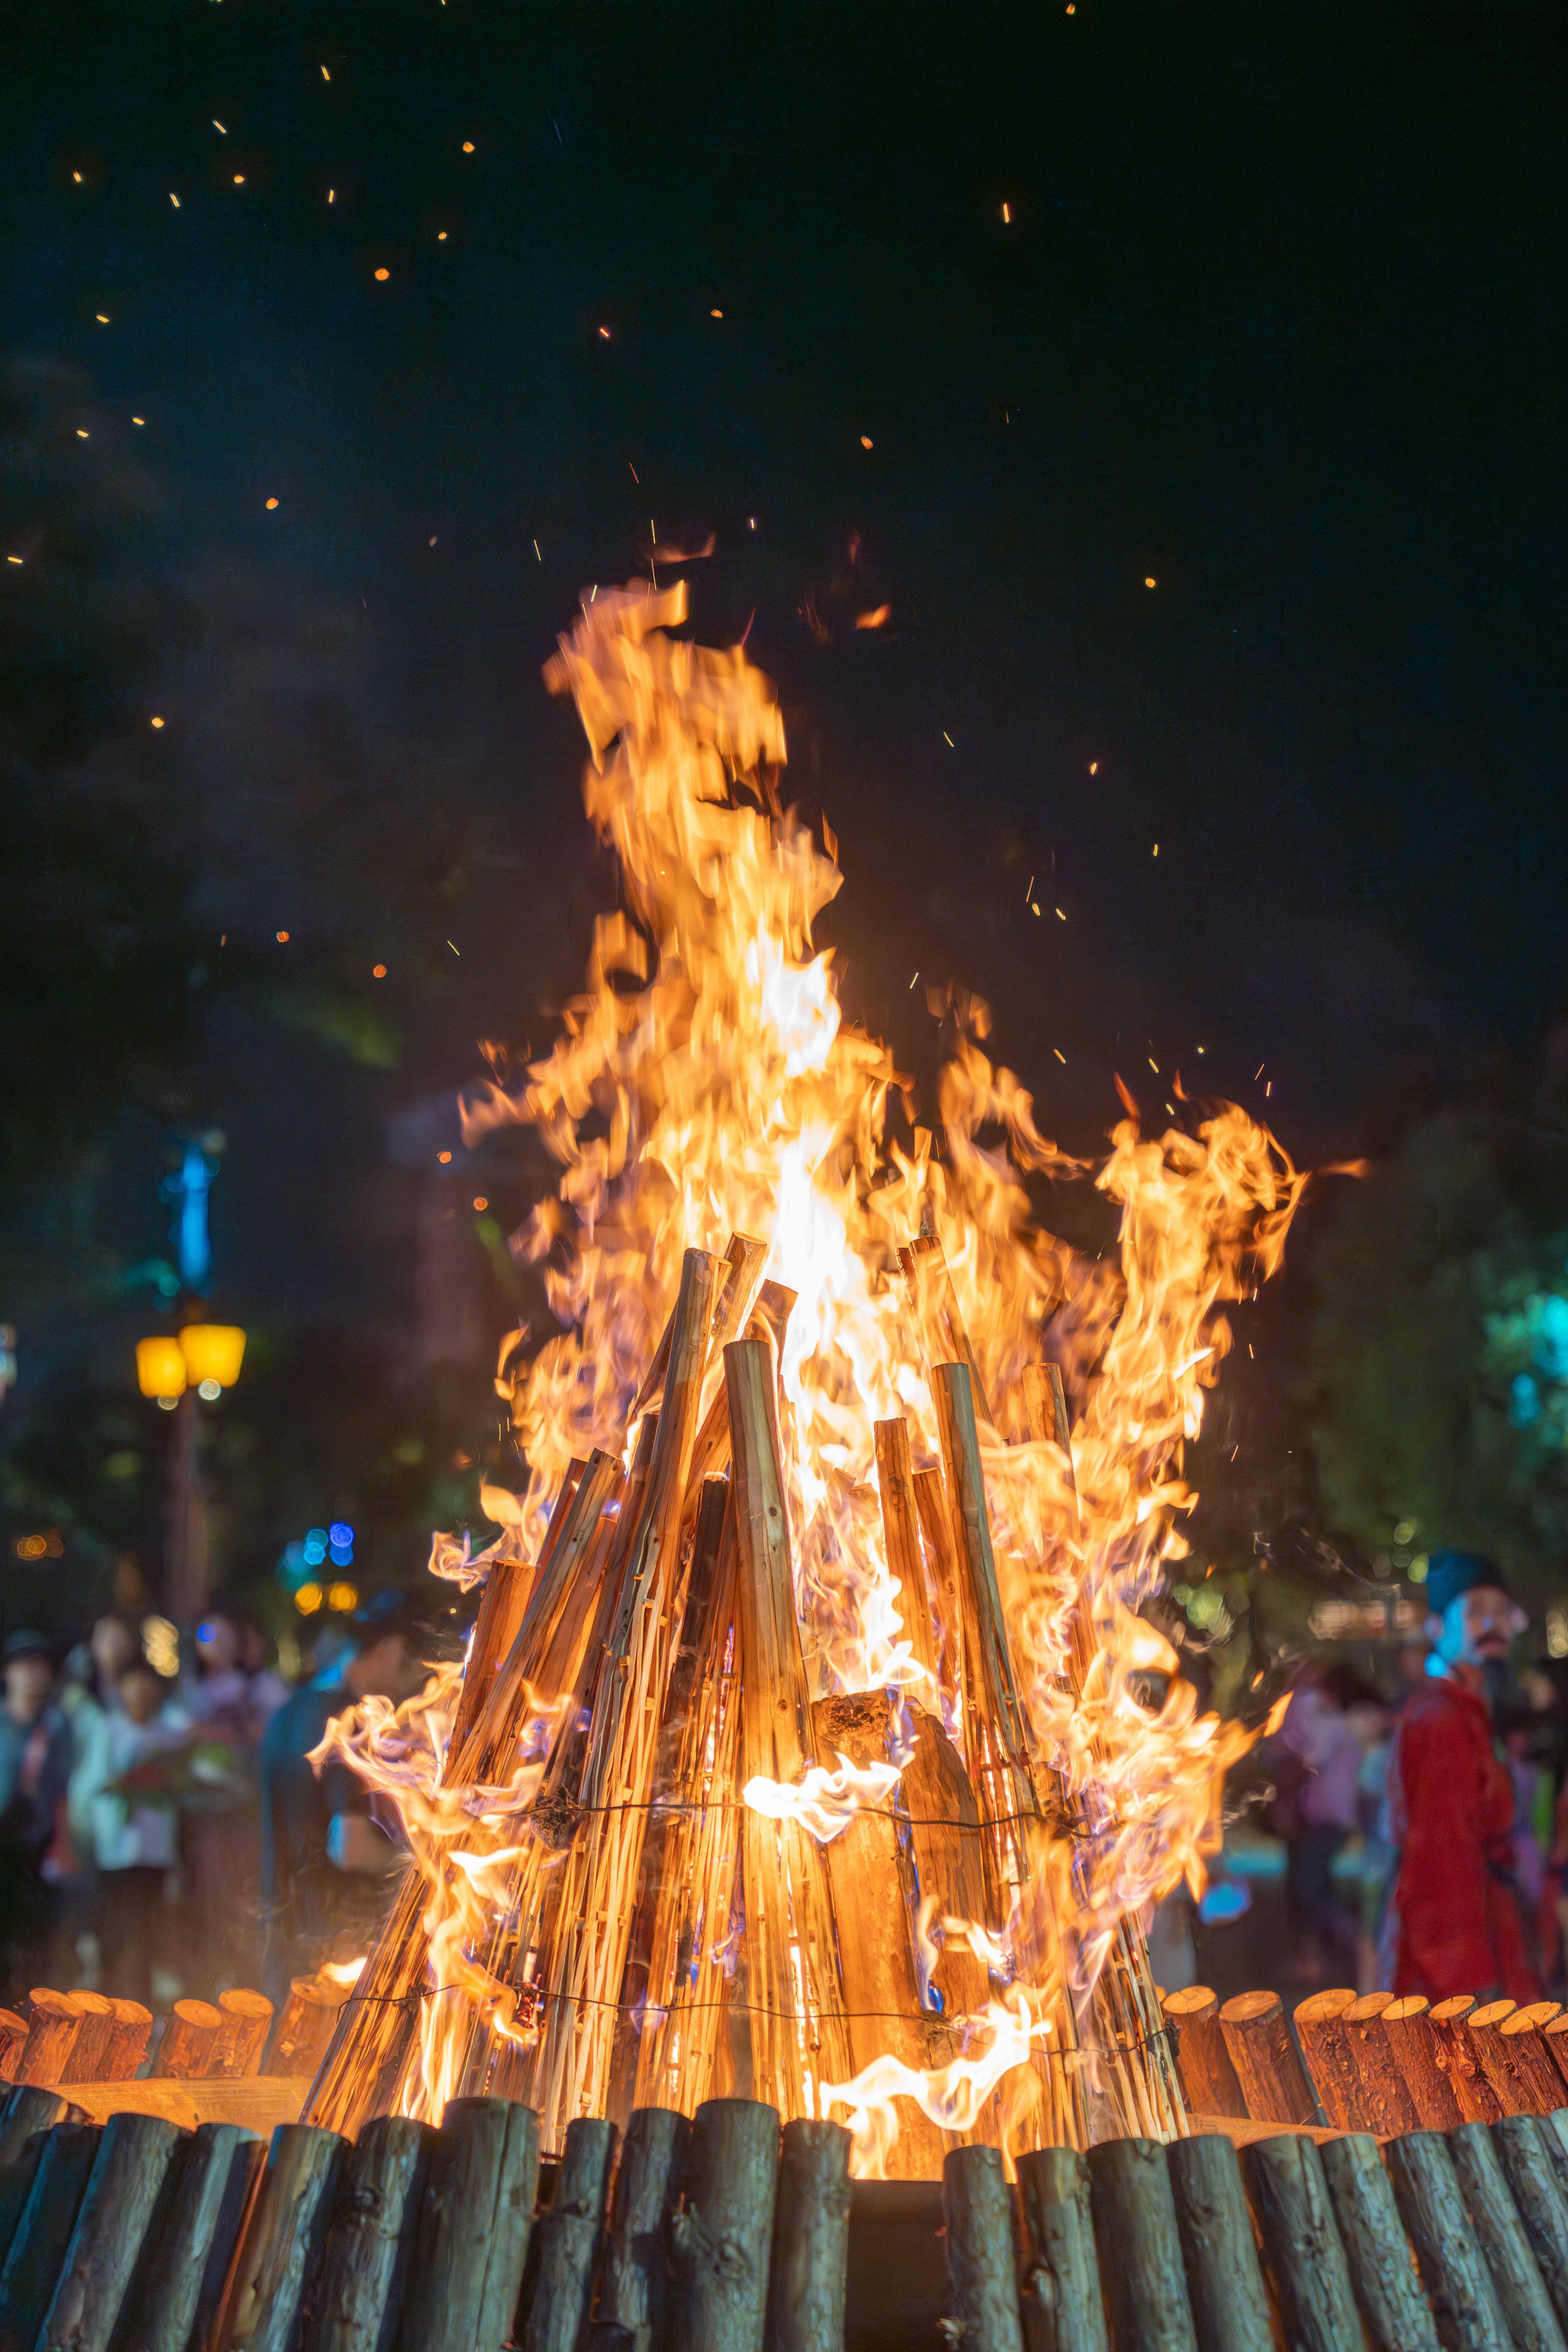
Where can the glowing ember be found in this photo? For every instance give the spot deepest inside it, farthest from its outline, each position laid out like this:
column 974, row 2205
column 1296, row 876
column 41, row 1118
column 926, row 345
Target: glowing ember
column 804, row 1498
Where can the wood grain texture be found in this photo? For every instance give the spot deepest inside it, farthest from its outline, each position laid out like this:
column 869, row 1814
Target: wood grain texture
column 569, row 2234
column 1224, row 2284
column 1302, row 2246
column 1522, row 2144
column 1454, row 2269
column 649, row 2180
column 810, row 2270
column 1383, row 2102
column 65, row 2161
column 1203, row 2060
column 1064, row 2308
column 722, row 2236
column 1397, row 2316
column 1318, row 2029
column 1407, row 2024
column 1273, row 2081
column 1520, row 2290
column 281, row 2240
column 472, row 2243
column 982, row 2314
column 128, row 2175
column 353, row 2303
column 1141, row 2258
column 190, row 2037
column 191, row 2237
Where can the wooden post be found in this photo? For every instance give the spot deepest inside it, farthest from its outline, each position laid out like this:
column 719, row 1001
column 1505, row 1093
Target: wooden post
column 1456, row 2055
column 43, row 2233
column 352, row 2305
column 241, row 2036
column 1064, row 2310
column 128, row 2173
column 1521, row 2289
column 1319, row 2030
column 472, row 2240
column 1225, row 2285
column 88, row 2059
column 1140, row 2247
column 53, row 2023
column 281, row 2240
column 1554, row 2139
column 190, row 2037
column 1532, row 2178
column 13, row 2034
column 1208, row 2078
column 1518, row 2063
column 1554, row 2033
column 1407, row 2024
column 791, row 1945
column 983, row 2313
column 1383, row 2102
column 810, row 2271
column 721, row 2237
column 132, row 2031
column 1454, row 2269
column 305, row 2024
column 1301, row 2244
column 919, row 1607
column 1397, row 2317
column 633, row 2288
column 1272, row 2080
column 192, row 2235
column 569, row 2232
column 30, row 2114
column 875, row 1897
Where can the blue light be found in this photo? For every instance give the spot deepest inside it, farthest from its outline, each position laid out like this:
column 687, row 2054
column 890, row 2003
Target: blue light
column 342, row 1555
column 314, row 1552
column 340, row 1532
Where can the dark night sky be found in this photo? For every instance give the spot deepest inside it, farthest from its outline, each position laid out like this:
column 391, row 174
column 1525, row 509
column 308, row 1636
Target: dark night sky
column 1278, row 321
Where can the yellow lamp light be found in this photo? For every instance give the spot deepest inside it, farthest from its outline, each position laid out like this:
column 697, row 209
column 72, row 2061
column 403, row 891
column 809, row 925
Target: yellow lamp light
column 212, row 1352
column 160, row 1368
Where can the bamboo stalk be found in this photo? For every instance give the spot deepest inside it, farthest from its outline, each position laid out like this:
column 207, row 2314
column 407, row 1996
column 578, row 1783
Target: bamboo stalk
column 798, row 2034
column 598, row 1879
column 352, row 2305
column 936, row 1535
column 810, row 2269
column 981, row 2265
column 921, row 1609
column 1396, row 2314
column 721, row 2237
column 1064, row 2309
column 1225, row 2285
column 128, row 2174
column 633, row 2290
column 1017, row 1844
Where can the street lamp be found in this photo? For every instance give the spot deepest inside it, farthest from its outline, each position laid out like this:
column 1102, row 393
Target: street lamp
column 202, row 1361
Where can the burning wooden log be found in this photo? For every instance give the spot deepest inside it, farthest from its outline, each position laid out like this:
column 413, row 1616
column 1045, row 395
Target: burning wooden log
column 133, row 2155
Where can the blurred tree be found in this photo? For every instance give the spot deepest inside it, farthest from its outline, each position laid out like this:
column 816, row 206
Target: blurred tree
column 1435, row 1359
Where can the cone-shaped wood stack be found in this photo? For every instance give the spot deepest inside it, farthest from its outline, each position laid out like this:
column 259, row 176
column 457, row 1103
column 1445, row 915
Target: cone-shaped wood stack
column 660, row 1941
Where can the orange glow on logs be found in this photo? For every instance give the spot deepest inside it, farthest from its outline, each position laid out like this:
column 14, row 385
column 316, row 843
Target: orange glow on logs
column 705, row 1085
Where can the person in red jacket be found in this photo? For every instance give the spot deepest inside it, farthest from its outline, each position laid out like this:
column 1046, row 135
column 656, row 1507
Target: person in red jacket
column 1458, row 1921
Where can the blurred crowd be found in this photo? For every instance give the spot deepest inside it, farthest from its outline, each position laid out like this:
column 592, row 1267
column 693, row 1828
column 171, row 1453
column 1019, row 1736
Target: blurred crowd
column 164, row 1832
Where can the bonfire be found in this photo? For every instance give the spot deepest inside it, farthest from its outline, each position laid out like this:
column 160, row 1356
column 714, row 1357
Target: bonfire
column 809, row 1746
